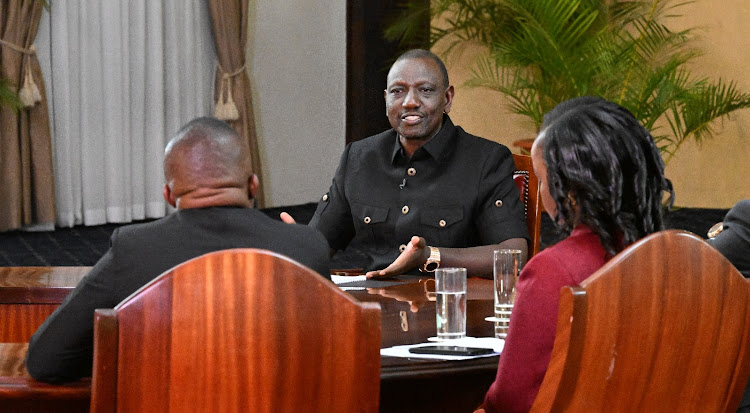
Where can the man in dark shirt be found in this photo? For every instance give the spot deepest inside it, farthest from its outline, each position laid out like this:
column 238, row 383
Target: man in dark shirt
column 209, row 181
column 732, row 239
column 424, row 181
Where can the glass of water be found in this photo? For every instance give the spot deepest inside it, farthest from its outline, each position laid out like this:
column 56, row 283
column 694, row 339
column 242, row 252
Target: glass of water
column 507, row 266
column 450, row 289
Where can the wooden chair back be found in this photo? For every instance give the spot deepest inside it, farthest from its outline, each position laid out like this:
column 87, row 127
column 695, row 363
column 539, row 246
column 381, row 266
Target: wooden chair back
column 240, row 330
column 663, row 326
column 528, row 184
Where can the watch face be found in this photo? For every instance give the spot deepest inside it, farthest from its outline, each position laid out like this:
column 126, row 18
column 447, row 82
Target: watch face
column 715, row 230
column 431, row 266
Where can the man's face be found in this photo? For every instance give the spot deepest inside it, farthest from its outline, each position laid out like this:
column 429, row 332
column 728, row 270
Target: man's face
column 416, row 98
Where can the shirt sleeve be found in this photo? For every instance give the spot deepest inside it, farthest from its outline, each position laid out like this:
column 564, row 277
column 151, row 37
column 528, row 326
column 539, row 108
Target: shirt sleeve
column 62, row 348
column 500, row 214
column 734, row 240
column 531, row 335
column 333, row 216
column 317, row 256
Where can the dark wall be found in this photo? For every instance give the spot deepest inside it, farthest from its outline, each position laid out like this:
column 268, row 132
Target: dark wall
column 369, row 56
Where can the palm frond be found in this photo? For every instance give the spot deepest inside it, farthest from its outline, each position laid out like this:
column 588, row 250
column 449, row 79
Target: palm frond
column 702, row 107
column 514, row 84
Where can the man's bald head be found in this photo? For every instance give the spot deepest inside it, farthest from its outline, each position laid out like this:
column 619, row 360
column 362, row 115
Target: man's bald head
column 207, row 164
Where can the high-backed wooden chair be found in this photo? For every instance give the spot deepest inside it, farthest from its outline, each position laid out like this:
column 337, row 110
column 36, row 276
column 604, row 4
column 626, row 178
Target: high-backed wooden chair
column 664, row 326
column 528, row 184
column 240, row 330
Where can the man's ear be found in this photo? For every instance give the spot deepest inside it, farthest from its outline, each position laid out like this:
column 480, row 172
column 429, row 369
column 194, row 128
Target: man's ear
column 448, row 99
column 385, row 97
column 169, row 196
column 253, row 183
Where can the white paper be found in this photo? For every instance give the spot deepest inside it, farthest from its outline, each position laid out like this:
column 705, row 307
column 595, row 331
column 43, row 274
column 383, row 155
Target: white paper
column 345, row 279
column 495, row 344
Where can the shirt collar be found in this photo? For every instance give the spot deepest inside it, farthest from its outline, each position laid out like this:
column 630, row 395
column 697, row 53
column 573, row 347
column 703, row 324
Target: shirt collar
column 436, row 147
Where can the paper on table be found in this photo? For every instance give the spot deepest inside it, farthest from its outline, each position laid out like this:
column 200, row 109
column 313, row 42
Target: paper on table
column 345, row 279
column 482, row 342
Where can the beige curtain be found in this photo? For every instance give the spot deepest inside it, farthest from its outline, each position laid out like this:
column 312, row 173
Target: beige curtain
column 233, row 98
column 26, row 186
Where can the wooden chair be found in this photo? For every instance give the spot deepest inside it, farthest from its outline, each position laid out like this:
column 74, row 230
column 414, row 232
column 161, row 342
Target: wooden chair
column 528, row 184
column 664, row 326
column 240, row 330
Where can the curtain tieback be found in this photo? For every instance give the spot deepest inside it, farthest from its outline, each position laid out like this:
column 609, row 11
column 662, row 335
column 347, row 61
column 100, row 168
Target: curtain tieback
column 29, row 93
column 225, row 108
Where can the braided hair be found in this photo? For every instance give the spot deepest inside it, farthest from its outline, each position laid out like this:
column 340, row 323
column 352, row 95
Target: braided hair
column 605, row 171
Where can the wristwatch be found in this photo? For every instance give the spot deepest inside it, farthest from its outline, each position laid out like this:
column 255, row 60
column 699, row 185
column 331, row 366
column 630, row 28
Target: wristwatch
column 433, row 261
column 715, row 230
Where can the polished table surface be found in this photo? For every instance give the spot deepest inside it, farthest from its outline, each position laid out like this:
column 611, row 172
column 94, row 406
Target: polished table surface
column 20, row 393
column 29, row 294
column 408, row 317
column 39, row 285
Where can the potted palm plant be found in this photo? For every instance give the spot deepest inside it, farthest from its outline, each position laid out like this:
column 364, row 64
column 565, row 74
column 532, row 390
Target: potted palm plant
column 542, row 52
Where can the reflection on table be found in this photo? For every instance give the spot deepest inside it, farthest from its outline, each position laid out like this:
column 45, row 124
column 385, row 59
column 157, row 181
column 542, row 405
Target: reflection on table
column 20, row 393
column 28, row 295
column 408, row 317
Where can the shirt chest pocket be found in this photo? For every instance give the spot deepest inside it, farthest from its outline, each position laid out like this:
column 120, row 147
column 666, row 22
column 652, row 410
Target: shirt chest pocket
column 371, row 223
column 444, row 224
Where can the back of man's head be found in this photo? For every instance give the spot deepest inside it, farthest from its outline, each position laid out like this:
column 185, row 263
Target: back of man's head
column 206, row 161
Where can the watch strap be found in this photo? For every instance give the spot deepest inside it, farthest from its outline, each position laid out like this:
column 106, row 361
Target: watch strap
column 433, row 261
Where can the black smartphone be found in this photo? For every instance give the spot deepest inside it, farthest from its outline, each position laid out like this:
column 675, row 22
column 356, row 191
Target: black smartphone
column 451, row 350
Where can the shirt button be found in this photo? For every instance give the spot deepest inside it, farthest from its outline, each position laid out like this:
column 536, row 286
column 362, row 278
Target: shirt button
column 442, row 223
column 325, row 197
column 411, row 171
column 498, row 203
column 402, row 248
column 367, row 220
column 405, row 210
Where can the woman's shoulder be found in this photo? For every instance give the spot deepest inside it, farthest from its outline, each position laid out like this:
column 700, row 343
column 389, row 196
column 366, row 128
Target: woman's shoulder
column 578, row 255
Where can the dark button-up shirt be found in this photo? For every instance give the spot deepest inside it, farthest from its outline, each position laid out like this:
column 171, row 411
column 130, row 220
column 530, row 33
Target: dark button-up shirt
column 456, row 191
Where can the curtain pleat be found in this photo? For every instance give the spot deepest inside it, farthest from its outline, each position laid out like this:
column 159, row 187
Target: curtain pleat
column 125, row 76
column 26, row 179
column 229, row 26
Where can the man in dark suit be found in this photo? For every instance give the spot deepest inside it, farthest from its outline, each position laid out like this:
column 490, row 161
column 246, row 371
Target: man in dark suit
column 732, row 238
column 208, row 180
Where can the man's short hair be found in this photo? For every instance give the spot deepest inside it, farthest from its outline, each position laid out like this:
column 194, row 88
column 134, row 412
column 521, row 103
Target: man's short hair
column 208, row 126
column 205, row 148
column 426, row 54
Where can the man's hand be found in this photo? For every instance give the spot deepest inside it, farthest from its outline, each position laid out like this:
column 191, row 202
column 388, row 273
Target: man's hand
column 415, row 254
column 287, row 218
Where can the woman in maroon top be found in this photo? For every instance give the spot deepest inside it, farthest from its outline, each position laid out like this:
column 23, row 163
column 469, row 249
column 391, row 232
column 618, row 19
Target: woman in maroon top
column 602, row 181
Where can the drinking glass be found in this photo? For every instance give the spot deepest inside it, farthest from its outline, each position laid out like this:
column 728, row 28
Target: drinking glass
column 506, row 269
column 450, row 289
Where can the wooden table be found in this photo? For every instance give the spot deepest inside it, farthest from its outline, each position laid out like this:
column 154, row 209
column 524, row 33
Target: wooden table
column 28, row 295
column 422, row 385
column 20, row 393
